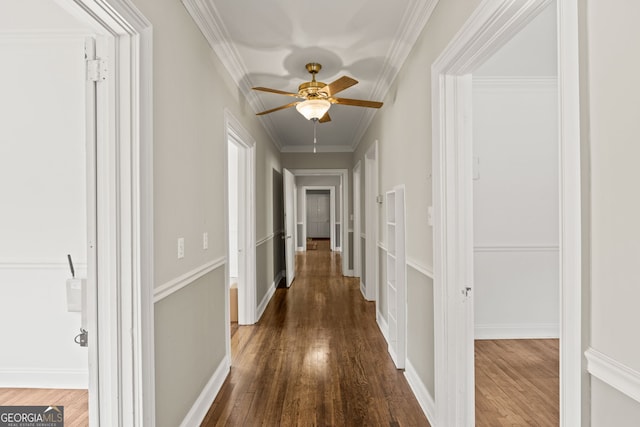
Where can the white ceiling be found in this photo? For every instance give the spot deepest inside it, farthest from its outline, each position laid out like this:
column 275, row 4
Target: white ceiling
column 268, row 43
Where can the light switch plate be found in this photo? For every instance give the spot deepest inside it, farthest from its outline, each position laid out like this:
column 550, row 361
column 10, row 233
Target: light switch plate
column 180, row 247
column 205, row 240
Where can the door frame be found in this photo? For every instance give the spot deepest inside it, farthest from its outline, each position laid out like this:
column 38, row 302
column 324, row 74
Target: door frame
column 290, row 216
column 122, row 374
column 489, row 28
column 344, row 212
column 332, row 213
column 357, row 183
column 371, row 289
column 235, row 133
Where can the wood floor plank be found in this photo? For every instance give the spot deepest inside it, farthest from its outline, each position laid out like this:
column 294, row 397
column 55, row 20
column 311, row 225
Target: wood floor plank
column 75, row 402
column 316, row 358
column 517, row 383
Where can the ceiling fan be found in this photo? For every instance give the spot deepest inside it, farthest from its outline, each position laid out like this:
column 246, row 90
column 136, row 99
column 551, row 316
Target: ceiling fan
column 318, row 96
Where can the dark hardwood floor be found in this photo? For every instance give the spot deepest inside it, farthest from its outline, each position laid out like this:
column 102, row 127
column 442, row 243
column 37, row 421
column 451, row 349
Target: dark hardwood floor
column 316, row 358
column 517, row 383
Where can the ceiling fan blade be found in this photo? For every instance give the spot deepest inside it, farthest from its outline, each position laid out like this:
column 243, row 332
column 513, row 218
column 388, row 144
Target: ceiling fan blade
column 326, row 118
column 339, row 85
column 277, row 108
column 357, row 102
column 279, row 92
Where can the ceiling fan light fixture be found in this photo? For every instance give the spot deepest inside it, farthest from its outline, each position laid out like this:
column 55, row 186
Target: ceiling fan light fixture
column 313, row 108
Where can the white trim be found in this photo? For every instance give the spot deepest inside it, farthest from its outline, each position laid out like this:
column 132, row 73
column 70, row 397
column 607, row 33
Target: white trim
column 174, row 285
column 203, row 403
column 426, row 401
column 382, row 246
column 516, row 248
column 363, row 236
column 357, row 226
column 427, row 271
column 235, row 133
column 44, row 378
column 490, row 26
column 122, row 366
column 383, row 325
column 266, row 239
column 267, row 297
column 332, row 214
column 613, row 373
column 321, row 148
column 344, row 203
column 415, row 18
column 517, row 331
column 211, row 24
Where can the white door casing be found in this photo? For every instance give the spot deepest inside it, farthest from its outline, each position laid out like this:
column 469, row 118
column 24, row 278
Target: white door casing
column 489, row 27
column 247, row 305
column 371, row 224
column 344, row 213
column 332, row 210
column 123, row 378
column 289, row 188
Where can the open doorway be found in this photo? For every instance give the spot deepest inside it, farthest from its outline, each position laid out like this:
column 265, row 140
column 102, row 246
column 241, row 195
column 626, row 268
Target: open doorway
column 516, row 229
column 47, row 179
column 241, row 264
column 319, row 209
column 491, row 27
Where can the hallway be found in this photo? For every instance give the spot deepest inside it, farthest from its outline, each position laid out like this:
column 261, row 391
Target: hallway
column 316, row 358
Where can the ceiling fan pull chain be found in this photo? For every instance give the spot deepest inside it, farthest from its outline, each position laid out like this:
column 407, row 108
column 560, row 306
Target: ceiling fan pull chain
column 315, row 123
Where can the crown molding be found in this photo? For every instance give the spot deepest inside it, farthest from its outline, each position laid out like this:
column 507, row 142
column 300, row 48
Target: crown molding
column 208, row 20
column 413, row 22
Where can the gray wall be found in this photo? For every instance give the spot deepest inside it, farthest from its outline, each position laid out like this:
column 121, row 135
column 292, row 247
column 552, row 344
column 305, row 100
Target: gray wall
column 610, row 104
column 191, row 89
column 403, row 130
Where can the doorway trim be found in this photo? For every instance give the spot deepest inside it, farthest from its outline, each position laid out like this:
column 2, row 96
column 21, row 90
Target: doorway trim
column 344, row 212
column 490, row 27
column 247, row 304
column 332, row 213
column 371, row 289
column 357, row 245
column 123, row 371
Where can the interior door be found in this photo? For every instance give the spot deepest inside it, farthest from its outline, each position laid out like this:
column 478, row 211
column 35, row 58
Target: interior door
column 289, row 188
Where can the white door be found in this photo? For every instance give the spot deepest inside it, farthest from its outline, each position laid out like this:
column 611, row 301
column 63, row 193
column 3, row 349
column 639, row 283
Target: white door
column 47, row 181
column 289, row 188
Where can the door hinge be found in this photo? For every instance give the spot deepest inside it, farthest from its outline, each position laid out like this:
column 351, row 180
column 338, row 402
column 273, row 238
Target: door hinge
column 96, row 70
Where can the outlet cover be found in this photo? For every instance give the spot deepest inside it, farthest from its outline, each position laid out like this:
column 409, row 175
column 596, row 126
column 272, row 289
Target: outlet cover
column 180, row 247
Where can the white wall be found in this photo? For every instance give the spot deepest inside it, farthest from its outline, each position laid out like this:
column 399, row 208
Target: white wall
column 43, row 215
column 516, row 234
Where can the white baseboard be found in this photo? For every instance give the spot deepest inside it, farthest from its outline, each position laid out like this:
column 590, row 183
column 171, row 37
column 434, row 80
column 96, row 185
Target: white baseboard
column 203, row 403
column 426, row 401
column 517, row 331
column 39, row 378
column 272, row 290
column 363, row 290
column 615, row 374
column 383, row 325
